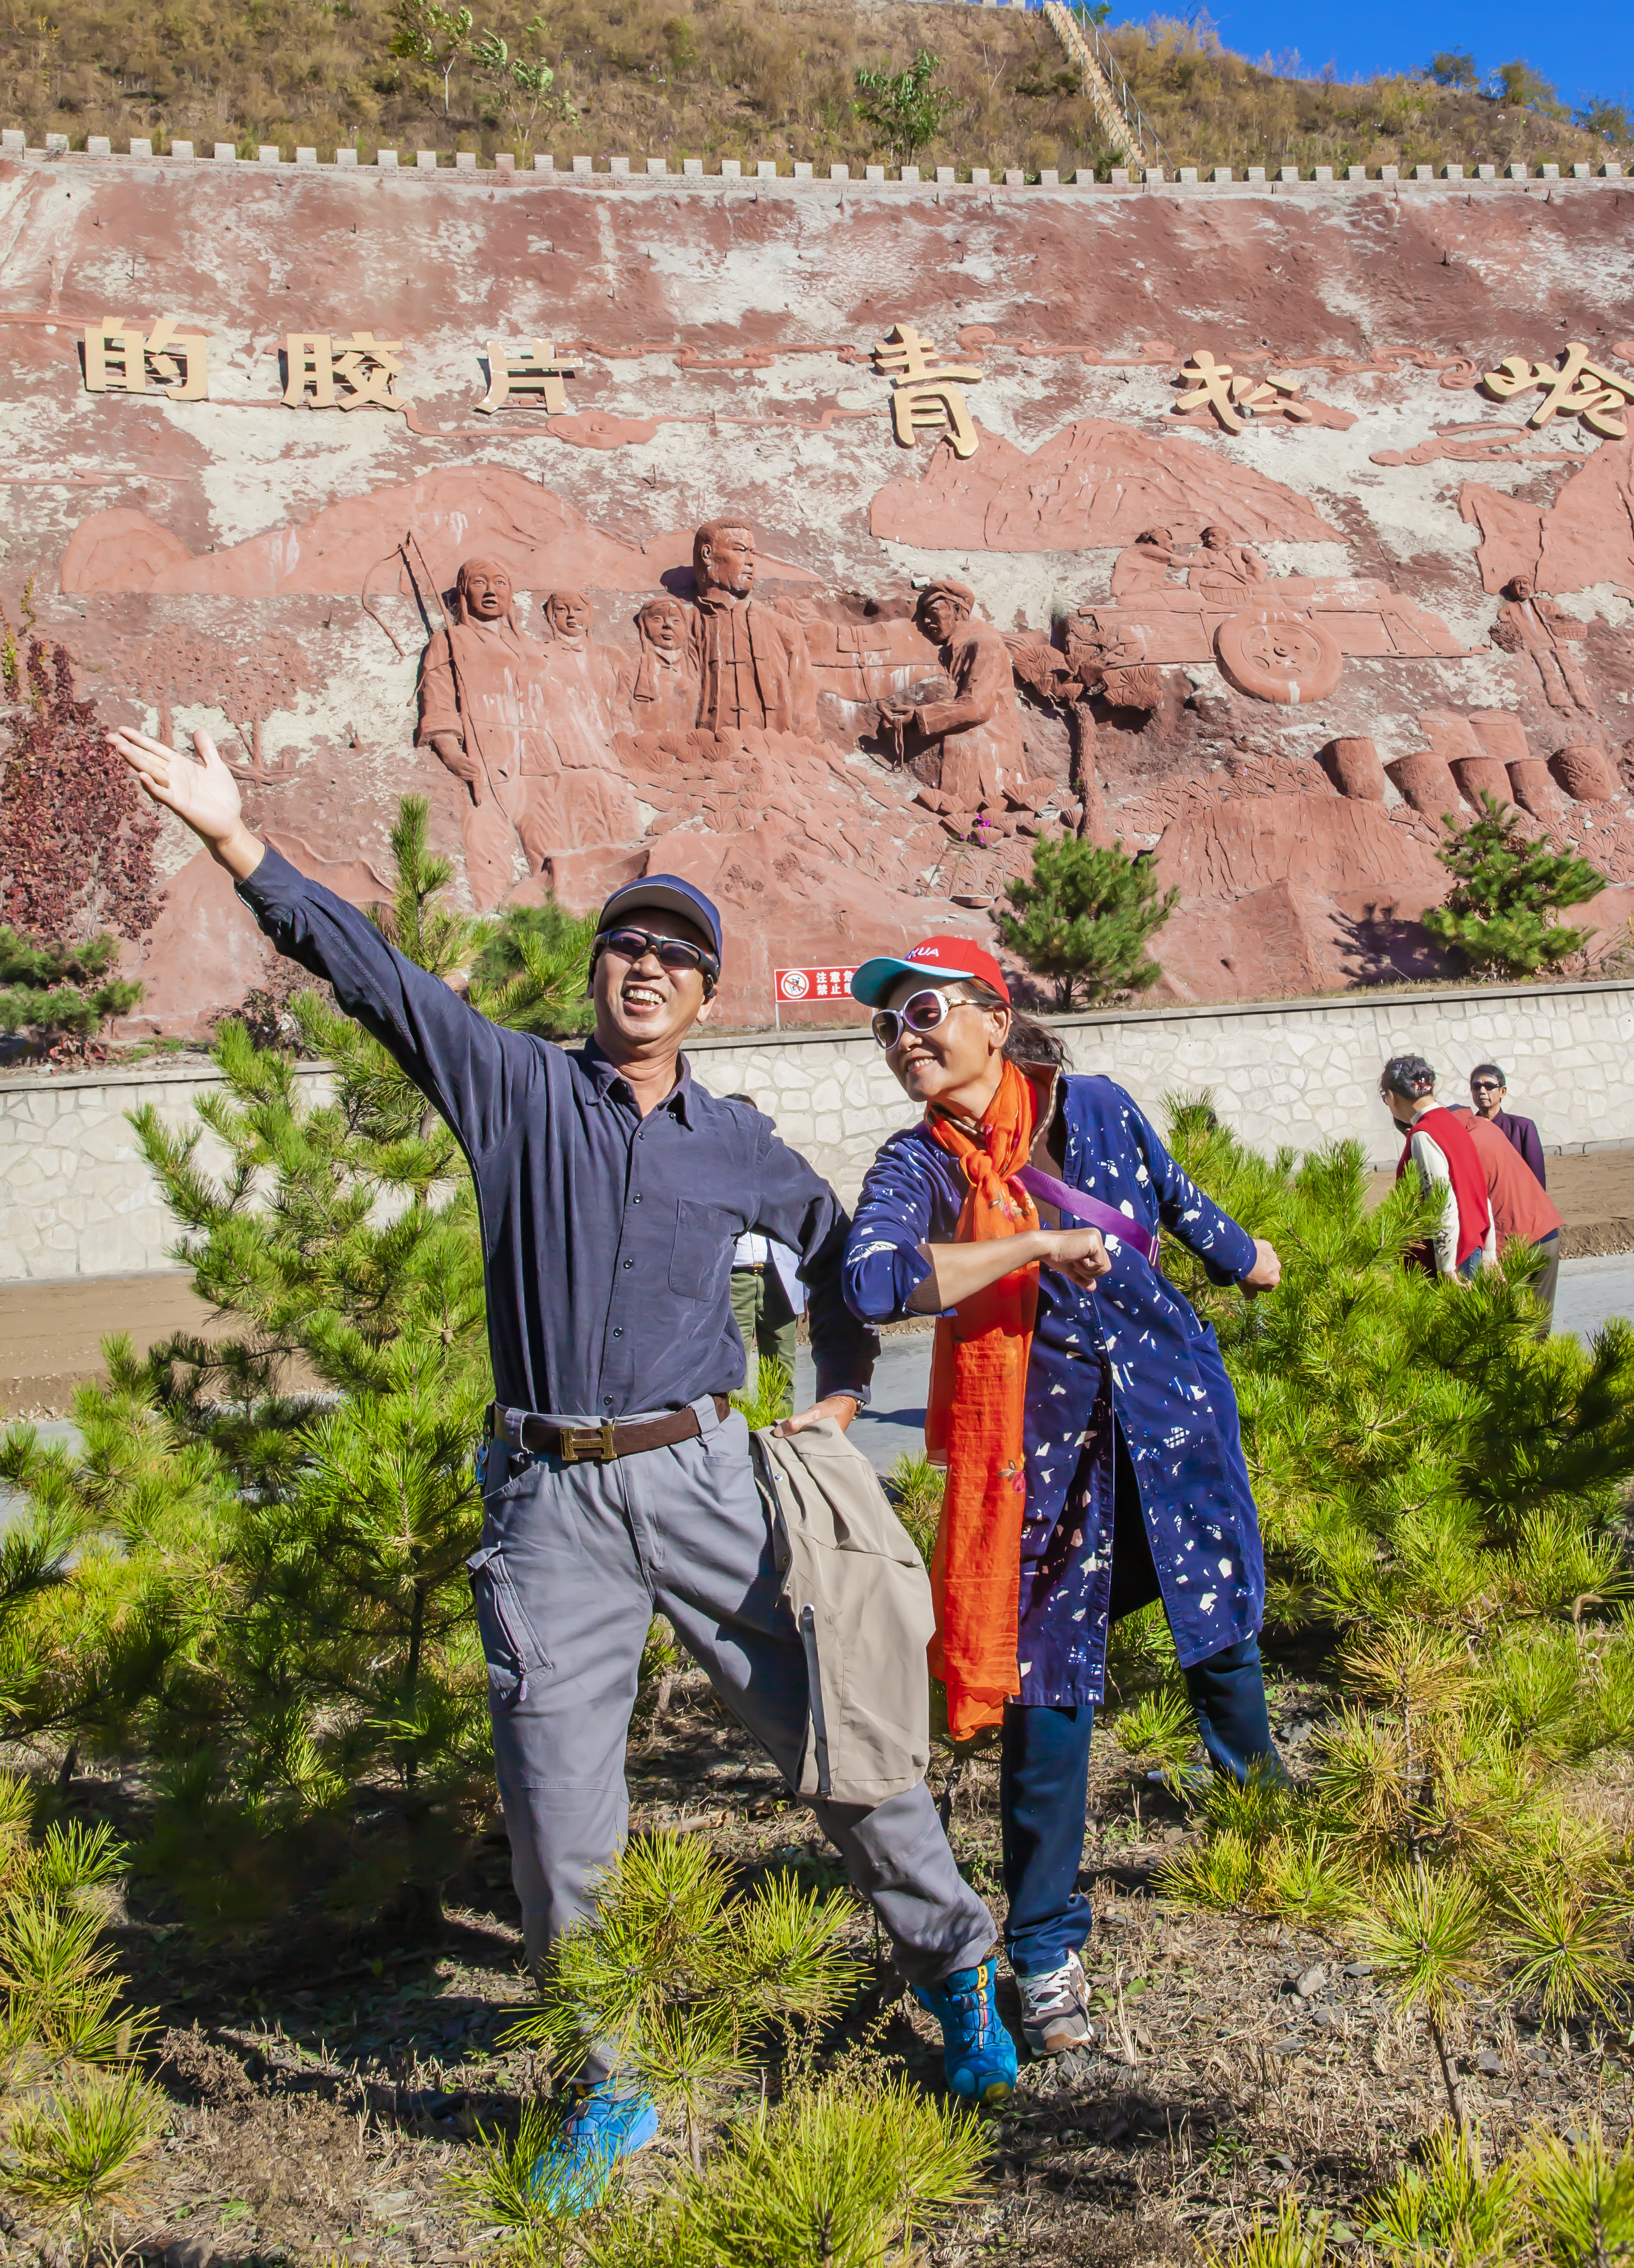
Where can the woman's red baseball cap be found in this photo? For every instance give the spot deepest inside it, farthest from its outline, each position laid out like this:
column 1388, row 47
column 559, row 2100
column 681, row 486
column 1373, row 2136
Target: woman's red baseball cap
column 942, row 959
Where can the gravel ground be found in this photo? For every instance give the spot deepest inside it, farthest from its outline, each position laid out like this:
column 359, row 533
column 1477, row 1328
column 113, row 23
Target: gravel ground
column 324, row 2091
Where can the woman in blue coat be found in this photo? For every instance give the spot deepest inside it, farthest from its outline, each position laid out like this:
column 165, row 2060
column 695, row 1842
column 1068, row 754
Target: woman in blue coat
column 1088, row 1425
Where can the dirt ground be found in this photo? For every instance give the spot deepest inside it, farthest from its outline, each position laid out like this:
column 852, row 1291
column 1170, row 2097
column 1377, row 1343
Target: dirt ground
column 323, row 2092
column 50, row 1333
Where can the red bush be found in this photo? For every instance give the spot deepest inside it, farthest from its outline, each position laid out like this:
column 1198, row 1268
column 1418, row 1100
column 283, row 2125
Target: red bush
column 77, row 835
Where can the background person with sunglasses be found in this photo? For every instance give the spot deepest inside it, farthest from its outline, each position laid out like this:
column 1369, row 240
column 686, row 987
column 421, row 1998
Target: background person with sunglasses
column 617, row 1478
column 1488, row 1088
column 1082, row 1410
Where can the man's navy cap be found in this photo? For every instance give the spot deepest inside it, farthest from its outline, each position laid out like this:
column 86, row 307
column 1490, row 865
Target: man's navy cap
column 669, row 892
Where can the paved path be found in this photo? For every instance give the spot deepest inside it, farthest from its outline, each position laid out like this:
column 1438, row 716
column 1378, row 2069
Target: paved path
column 1590, row 1291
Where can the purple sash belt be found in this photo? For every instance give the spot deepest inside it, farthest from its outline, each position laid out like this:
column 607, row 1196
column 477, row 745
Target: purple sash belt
column 1090, row 1210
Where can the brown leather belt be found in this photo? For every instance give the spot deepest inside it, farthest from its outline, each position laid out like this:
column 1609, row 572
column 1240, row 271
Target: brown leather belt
column 603, row 1444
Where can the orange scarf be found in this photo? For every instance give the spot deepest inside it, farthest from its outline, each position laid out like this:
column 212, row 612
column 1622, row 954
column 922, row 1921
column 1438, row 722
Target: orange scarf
column 973, row 1421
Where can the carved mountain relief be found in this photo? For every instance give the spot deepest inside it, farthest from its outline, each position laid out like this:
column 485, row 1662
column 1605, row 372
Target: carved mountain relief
column 1259, row 644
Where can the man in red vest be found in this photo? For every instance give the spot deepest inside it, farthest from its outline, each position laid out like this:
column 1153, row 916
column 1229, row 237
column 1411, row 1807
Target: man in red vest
column 1522, row 1211
column 1439, row 1146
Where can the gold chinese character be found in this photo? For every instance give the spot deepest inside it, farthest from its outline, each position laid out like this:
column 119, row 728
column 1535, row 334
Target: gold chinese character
column 1578, row 388
column 1231, row 399
column 925, row 393
column 533, row 372
column 121, row 358
column 364, row 366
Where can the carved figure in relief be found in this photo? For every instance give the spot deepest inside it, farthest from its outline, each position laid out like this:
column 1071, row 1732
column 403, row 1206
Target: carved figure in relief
column 586, row 683
column 752, row 659
column 1227, row 560
column 975, row 737
column 483, row 710
column 1279, row 638
column 665, row 696
column 1533, row 629
column 1144, row 564
column 586, row 689
column 490, row 705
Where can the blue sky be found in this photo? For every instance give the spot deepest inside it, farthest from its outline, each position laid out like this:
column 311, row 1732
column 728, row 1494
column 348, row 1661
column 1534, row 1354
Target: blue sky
column 1585, row 50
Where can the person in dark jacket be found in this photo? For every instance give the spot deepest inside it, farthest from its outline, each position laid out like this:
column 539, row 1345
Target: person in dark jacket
column 617, row 1480
column 1487, row 1089
column 1082, row 1409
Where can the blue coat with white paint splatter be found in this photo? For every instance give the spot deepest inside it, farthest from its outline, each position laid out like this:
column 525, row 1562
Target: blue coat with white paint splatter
column 1132, row 1353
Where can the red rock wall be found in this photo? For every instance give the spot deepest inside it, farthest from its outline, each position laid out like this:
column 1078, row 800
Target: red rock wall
column 272, row 571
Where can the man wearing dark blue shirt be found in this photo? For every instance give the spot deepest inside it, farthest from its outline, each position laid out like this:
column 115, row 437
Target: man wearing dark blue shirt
column 1488, row 1091
column 617, row 1480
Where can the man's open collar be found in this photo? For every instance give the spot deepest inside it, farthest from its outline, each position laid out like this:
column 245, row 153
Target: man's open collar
column 604, row 1073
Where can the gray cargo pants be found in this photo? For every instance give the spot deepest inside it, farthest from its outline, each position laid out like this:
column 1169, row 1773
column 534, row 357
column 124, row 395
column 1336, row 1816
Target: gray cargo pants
column 574, row 1561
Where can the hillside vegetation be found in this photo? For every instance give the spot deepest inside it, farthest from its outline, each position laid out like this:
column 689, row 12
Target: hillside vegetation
column 726, row 77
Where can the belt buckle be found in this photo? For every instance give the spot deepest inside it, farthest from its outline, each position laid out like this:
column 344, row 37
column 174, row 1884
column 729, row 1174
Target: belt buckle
column 599, row 1437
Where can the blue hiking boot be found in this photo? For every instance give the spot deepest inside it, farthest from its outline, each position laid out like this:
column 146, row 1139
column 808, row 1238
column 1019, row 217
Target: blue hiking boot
column 978, row 2054
column 600, row 2127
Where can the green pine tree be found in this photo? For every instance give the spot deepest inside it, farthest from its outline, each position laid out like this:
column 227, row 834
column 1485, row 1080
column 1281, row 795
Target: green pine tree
column 53, row 992
column 1503, row 914
column 531, row 970
column 1441, row 1499
column 1085, row 917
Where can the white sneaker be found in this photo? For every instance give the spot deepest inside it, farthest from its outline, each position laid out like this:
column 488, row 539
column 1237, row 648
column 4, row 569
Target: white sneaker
column 1055, row 2009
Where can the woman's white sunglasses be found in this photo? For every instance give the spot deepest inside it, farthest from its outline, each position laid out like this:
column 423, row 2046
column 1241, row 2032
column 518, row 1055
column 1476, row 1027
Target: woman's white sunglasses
column 921, row 1011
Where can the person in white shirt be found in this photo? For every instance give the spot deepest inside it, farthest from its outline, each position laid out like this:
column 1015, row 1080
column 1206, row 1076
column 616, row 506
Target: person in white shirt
column 1464, row 1240
column 768, row 1297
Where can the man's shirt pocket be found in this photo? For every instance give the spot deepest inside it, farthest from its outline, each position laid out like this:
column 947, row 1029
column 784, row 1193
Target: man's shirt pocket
column 702, row 1253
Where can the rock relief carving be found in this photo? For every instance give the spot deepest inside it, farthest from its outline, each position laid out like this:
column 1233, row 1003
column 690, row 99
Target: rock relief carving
column 664, row 696
column 1541, row 638
column 967, row 743
column 754, row 671
column 1095, row 484
column 1585, row 536
column 1280, row 638
column 490, row 706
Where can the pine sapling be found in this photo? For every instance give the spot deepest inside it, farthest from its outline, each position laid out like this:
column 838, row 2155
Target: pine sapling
column 673, row 1978
column 766, row 1394
column 838, row 2175
column 1580, row 2197
column 916, row 1488
column 1503, row 913
column 78, row 2157
column 1447, row 2208
column 1084, row 918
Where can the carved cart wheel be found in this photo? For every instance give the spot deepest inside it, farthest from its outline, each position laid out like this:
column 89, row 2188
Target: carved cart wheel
column 1278, row 656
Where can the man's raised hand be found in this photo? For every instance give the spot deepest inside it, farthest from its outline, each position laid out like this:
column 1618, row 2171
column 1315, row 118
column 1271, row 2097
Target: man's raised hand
column 204, row 796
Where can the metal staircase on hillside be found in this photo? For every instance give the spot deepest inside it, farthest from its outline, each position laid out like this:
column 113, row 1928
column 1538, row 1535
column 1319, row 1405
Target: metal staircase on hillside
column 1121, row 119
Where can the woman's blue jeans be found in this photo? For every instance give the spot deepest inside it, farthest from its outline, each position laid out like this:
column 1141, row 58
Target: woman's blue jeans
column 1044, row 1763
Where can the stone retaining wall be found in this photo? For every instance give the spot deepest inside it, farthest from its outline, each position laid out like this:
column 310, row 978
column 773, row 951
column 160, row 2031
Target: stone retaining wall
column 729, row 171
column 75, row 1199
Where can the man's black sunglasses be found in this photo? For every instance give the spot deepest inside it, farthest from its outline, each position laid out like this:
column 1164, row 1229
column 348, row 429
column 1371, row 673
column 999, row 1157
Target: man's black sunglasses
column 672, row 953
